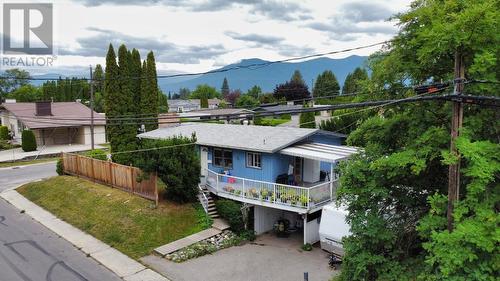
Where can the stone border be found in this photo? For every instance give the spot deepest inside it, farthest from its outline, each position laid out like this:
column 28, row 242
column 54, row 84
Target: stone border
column 117, row 262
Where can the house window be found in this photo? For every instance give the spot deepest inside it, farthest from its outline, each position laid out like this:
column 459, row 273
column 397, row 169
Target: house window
column 253, row 160
column 223, row 158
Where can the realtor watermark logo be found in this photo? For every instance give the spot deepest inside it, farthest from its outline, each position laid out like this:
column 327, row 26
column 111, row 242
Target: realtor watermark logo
column 27, row 34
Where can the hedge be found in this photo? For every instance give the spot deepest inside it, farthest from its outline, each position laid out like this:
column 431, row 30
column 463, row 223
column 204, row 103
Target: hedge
column 4, row 133
column 231, row 211
column 97, row 154
column 28, row 141
column 60, row 167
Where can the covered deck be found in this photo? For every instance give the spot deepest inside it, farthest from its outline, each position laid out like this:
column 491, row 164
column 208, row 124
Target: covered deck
column 307, row 197
column 299, row 199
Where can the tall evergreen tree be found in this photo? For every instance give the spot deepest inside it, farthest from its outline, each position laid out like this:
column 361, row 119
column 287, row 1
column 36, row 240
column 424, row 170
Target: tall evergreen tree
column 125, row 133
column 98, row 76
column 149, row 92
column 111, row 95
column 353, row 80
column 224, row 90
column 297, row 78
column 326, row 85
column 135, row 77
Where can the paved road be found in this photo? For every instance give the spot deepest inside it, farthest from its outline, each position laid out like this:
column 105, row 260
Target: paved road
column 15, row 176
column 31, row 252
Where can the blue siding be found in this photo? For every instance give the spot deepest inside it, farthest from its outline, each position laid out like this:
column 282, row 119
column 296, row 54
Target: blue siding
column 326, row 139
column 272, row 166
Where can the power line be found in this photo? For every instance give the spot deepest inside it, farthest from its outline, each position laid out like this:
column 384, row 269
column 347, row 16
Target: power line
column 151, row 149
column 249, row 66
column 479, row 100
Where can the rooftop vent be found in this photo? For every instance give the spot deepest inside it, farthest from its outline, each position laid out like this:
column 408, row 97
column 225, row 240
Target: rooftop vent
column 43, row 108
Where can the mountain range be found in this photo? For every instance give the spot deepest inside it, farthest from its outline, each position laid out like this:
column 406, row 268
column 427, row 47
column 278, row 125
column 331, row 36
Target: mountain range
column 265, row 76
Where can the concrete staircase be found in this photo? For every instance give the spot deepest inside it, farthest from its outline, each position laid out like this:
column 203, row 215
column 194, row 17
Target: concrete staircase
column 212, row 210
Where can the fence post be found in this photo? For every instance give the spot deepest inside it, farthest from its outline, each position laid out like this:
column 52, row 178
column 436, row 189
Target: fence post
column 77, row 168
column 156, row 188
column 64, row 166
column 92, row 168
column 131, row 169
column 111, row 177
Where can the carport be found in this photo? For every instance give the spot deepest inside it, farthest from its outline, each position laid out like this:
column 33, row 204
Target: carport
column 316, row 157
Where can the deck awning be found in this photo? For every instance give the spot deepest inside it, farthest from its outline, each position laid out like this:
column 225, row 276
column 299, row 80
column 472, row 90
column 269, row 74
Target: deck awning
column 322, row 152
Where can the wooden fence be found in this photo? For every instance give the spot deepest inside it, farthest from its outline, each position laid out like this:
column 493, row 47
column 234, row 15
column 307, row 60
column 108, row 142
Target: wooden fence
column 116, row 175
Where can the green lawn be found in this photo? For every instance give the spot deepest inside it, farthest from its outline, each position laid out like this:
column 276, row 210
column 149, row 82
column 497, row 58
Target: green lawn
column 271, row 122
column 27, row 162
column 129, row 223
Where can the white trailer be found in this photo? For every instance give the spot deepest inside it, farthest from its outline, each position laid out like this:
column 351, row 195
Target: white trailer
column 332, row 228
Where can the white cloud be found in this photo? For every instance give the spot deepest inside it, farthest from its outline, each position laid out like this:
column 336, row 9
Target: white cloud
column 194, row 36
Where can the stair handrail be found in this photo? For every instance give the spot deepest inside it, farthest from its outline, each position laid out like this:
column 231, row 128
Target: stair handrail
column 203, row 199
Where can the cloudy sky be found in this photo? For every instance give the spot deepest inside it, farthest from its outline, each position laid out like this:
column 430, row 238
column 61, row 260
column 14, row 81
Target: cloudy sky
column 193, row 36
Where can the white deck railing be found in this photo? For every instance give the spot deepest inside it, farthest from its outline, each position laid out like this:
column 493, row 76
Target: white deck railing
column 203, row 199
column 275, row 193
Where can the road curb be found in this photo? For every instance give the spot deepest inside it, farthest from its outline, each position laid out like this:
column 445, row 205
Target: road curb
column 26, row 165
column 117, row 262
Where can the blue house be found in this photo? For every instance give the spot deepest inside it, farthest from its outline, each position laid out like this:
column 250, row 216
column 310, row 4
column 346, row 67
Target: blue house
column 281, row 172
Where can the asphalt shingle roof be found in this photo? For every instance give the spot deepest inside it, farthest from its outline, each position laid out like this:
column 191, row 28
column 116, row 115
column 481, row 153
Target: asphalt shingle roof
column 64, row 114
column 244, row 137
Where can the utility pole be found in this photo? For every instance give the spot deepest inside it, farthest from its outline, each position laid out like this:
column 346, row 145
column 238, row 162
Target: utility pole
column 456, row 124
column 312, row 91
column 91, row 109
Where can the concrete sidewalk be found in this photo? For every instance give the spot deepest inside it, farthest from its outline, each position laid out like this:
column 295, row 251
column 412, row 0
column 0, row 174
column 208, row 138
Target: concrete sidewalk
column 18, row 154
column 120, row 264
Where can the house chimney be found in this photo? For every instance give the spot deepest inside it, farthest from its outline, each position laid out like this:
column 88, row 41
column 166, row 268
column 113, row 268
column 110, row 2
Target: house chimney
column 43, row 108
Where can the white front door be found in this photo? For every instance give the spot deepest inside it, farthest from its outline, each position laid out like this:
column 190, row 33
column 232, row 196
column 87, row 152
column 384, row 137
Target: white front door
column 204, row 161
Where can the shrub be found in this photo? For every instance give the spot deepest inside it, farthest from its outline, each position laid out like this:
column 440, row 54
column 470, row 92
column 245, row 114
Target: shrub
column 6, row 145
column 178, row 167
column 287, row 116
column 96, row 154
column 248, row 235
column 28, row 141
column 60, row 167
column 231, row 211
column 307, row 247
column 307, row 120
column 4, row 133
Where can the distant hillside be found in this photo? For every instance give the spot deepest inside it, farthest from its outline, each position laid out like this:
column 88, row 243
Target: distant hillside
column 267, row 77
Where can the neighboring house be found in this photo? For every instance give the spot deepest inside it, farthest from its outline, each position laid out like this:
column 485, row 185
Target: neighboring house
column 229, row 115
column 168, row 119
column 53, row 123
column 190, row 105
column 183, row 105
column 281, row 172
column 278, row 109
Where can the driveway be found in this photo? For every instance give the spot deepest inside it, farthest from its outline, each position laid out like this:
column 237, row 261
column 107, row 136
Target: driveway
column 14, row 176
column 267, row 258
